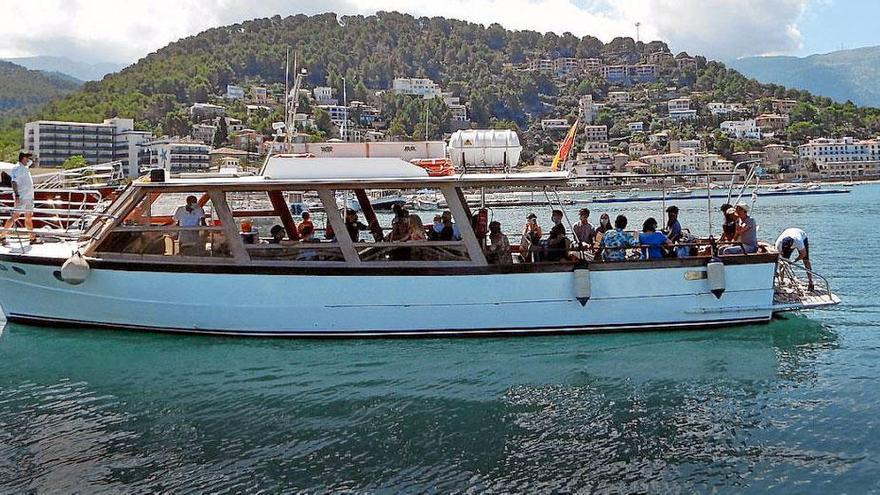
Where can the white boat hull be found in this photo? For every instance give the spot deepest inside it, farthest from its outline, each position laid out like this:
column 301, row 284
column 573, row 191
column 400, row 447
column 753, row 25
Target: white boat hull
column 364, row 305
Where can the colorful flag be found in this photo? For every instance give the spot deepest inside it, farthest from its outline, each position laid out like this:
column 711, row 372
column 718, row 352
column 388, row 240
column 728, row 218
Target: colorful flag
column 565, row 147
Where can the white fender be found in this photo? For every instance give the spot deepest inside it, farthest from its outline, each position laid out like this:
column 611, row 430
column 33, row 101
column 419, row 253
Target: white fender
column 582, row 286
column 75, row 270
column 715, row 277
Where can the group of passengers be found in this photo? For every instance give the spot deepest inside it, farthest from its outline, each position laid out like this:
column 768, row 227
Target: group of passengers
column 611, row 242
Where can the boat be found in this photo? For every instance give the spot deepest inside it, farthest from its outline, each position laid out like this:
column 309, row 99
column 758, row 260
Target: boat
column 133, row 268
column 680, row 192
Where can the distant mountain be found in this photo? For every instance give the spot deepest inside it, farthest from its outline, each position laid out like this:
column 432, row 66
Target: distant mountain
column 79, row 70
column 23, row 90
column 843, row 75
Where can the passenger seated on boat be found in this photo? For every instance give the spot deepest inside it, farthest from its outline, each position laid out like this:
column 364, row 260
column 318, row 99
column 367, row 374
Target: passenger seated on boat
column 190, row 215
column 746, row 232
column 615, row 242
column 652, row 241
column 306, row 222
column 307, row 236
column 277, row 234
column 416, row 228
column 400, row 232
column 436, row 228
column 728, row 233
column 673, row 227
column 498, row 249
column 530, row 243
column 450, row 231
column 584, row 231
column 557, row 243
column 353, row 225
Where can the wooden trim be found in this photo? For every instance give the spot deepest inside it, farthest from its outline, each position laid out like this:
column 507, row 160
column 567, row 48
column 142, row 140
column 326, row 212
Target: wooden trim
column 463, row 220
column 233, row 239
column 166, row 228
column 171, row 259
column 125, row 205
column 283, row 211
column 328, row 198
column 209, row 264
column 369, row 214
column 253, row 213
column 409, row 244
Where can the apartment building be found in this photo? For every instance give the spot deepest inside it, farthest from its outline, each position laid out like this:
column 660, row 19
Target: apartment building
column 741, row 129
column 771, row 121
column 234, row 92
column 618, row 97
column 680, row 109
column 587, row 108
column 260, row 95
column 636, row 126
column 206, row 111
column 324, row 96
column 783, row 106
column 338, row 113
column 554, row 124
column 596, row 132
column 629, row 74
column 53, row 142
column 717, row 108
column 425, row 88
column 591, row 65
column 660, row 58
column 203, row 133
column 844, row 157
column 686, row 63
column 175, row 155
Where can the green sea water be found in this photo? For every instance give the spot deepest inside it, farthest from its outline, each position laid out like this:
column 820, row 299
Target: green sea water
column 791, row 407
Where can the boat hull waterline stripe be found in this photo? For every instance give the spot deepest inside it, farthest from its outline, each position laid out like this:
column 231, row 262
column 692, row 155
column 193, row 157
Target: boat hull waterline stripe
column 484, row 332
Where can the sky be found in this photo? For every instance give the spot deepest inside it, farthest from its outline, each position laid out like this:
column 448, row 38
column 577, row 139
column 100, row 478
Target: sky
column 122, row 32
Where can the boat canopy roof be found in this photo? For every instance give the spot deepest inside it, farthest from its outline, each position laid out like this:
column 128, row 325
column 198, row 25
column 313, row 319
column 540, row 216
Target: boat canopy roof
column 280, row 167
column 288, row 172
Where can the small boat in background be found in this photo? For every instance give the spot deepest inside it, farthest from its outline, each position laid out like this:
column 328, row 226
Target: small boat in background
column 680, row 192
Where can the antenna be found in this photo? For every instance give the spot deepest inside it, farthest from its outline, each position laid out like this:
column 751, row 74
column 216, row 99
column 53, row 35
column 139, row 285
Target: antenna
column 637, row 31
column 287, row 97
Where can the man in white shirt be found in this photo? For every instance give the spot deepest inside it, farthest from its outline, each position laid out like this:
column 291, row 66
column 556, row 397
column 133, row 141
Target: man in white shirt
column 792, row 239
column 190, row 215
column 23, row 193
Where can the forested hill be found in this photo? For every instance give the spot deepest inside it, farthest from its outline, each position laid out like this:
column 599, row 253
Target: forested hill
column 468, row 59
column 23, row 90
column 479, row 64
column 843, row 75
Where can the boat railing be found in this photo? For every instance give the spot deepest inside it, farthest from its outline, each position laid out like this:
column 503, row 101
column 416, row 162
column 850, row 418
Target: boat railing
column 90, row 176
column 66, row 214
column 794, row 283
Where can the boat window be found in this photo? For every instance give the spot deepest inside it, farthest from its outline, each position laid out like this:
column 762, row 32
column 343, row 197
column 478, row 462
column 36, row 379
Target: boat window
column 272, row 226
column 180, row 224
column 398, row 225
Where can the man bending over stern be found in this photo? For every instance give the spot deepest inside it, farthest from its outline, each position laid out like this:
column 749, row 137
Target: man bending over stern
column 792, row 239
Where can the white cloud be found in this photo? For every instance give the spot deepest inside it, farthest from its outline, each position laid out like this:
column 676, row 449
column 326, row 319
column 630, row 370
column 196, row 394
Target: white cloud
column 109, row 30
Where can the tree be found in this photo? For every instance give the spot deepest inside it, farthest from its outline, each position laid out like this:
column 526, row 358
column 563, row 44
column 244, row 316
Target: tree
column 322, row 120
column 75, row 161
column 221, row 133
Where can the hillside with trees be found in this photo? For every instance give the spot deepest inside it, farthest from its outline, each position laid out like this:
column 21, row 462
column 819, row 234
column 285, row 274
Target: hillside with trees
column 483, row 65
column 23, row 91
